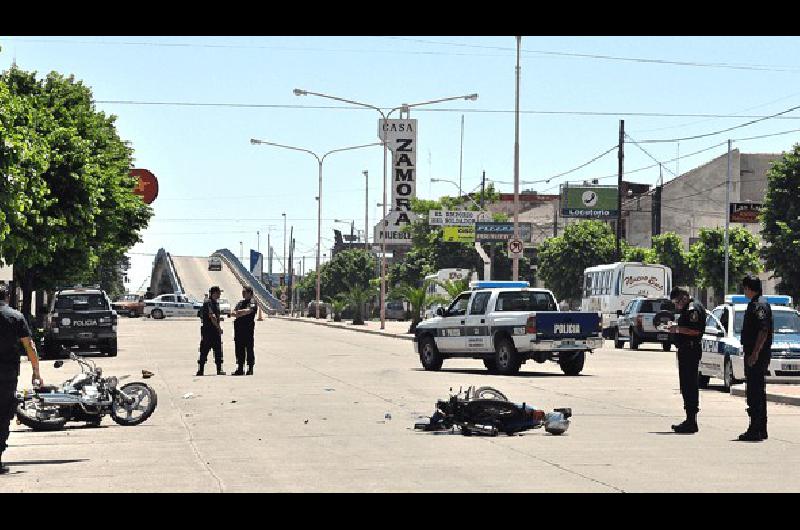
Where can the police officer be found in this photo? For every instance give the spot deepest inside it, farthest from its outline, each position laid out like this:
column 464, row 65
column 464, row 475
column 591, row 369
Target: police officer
column 14, row 331
column 210, row 331
column 687, row 335
column 757, row 347
column 243, row 328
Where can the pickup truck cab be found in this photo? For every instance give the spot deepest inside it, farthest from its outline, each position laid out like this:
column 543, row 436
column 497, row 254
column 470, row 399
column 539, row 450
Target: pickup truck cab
column 635, row 323
column 505, row 327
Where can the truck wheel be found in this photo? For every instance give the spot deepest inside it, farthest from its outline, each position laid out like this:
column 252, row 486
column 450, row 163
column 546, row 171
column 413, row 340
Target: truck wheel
column 429, row 354
column 157, row 314
column 702, row 380
column 634, row 341
column 573, row 365
column 727, row 378
column 618, row 344
column 490, row 364
column 507, row 360
column 111, row 348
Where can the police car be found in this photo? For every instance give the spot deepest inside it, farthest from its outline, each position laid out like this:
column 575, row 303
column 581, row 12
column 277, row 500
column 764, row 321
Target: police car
column 723, row 357
column 171, row 305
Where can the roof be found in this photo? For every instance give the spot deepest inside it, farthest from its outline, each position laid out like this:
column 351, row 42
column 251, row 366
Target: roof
column 81, row 290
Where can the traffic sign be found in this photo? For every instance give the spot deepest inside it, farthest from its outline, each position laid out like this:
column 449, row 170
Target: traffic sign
column 515, row 247
column 147, row 185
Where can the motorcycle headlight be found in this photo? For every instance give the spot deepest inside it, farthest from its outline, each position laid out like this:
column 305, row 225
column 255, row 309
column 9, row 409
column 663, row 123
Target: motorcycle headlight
column 111, row 382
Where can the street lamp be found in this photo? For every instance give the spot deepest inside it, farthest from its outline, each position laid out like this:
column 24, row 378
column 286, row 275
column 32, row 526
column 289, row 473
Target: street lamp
column 320, row 160
column 405, row 107
column 366, row 209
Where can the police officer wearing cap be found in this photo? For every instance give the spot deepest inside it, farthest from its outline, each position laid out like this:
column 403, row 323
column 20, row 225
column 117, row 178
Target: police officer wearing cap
column 757, row 346
column 14, row 331
column 687, row 335
column 243, row 329
column 210, row 331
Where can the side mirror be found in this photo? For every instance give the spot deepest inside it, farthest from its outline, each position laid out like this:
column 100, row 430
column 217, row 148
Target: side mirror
column 58, row 364
column 440, row 311
column 619, row 312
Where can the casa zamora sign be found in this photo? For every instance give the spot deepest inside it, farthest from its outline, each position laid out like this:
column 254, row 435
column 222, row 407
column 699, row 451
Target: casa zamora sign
column 146, row 185
column 455, row 217
column 400, row 137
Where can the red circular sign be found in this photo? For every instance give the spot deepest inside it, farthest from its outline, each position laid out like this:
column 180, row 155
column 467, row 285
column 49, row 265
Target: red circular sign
column 147, row 186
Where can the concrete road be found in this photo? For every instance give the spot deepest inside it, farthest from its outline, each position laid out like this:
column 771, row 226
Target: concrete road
column 196, row 279
column 313, row 418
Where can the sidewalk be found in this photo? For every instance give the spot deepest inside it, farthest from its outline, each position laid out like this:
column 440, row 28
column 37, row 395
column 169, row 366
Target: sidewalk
column 394, row 328
column 786, row 394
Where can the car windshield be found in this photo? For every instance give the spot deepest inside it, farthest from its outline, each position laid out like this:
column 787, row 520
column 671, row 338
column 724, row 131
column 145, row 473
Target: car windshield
column 81, row 302
column 656, row 306
column 525, row 301
column 782, row 322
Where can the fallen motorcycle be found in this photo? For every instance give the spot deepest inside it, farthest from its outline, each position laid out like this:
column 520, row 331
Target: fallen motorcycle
column 488, row 411
column 86, row 397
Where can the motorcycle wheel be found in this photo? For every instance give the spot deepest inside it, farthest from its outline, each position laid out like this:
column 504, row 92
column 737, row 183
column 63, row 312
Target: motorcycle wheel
column 29, row 406
column 487, row 392
column 140, row 410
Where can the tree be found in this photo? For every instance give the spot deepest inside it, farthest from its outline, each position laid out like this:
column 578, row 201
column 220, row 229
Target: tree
column 562, row 259
column 780, row 222
column 357, row 297
column 455, row 287
column 668, row 250
column 338, row 304
column 419, row 298
column 82, row 213
column 645, row 255
column 708, row 257
column 348, row 269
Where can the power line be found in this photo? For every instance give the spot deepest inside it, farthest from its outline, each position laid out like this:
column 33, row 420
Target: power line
column 598, row 157
column 658, row 162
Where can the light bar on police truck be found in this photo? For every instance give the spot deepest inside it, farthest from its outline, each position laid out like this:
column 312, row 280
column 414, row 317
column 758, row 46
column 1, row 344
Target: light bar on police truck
column 773, row 299
column 496, row 284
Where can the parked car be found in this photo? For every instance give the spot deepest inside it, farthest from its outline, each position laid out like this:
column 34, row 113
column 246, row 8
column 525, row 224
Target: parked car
column 82, row 317
column 395, row 310
column 215, row 263
column 311, row 310
column 224, row 307
column 131, row 305
column 172, row 305
column 635, row 323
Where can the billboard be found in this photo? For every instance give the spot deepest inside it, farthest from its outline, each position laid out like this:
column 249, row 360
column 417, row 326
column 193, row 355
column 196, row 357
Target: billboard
column 458, row 234
column 455, row 217
column 745, row 212
column 486, row 232
column 593, row 202
column 401, row 140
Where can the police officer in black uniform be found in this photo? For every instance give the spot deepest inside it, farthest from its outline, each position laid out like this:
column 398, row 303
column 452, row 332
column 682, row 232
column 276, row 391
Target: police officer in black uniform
column 210, row 331
column 14, row 331
column 687, row 336
column 243, row 329
column 757, row 345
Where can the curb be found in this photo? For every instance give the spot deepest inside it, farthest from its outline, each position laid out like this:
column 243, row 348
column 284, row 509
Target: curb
column 334, row 326
column 739, row 390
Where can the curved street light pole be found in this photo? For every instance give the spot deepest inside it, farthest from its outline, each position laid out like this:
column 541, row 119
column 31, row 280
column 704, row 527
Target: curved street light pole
column 385, row 116
column 320, row 160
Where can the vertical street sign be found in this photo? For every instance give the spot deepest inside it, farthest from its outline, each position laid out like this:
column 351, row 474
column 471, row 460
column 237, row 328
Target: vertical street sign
column 401, row 140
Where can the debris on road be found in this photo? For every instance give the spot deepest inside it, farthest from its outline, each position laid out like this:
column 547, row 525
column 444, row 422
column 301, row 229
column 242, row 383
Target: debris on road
column 188, row 395
column 147, row 374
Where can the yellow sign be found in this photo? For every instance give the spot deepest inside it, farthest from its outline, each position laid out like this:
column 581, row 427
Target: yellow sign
column 459, row 234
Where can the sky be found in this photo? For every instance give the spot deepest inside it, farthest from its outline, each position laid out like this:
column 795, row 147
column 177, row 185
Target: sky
column 190, row 105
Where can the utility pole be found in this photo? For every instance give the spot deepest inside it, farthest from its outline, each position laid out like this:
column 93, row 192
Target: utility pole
column 483, row 187
column 461, row 157
column 366, row 210
column 515, row 261
column 284, row 242
column 269, row 252
column 555, row 217
column 727, row 217
column 620, row 158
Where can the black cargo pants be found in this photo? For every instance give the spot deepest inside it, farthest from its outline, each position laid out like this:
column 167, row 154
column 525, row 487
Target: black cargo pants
column 8, row 406
column 756, row 392
column 210, row 339
column 688, row 367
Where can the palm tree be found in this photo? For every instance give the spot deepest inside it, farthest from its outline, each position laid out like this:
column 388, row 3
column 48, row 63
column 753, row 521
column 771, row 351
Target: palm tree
column 454, row 287
column 338, row 304
column 419, row 298
column 356, row 298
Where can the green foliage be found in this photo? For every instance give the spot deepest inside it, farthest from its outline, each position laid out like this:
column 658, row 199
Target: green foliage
column 455, row 287
column 307, row 287
column 356, row 298
column 338, row 304
column 780, row 222
column 347, row 270
column 418, row 298
column 630, row 253
column 708, row 257
column 668, row 250
column 73, row 210
column 562, row 259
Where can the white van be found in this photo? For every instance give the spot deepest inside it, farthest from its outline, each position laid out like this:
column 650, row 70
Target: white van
column 609, row 288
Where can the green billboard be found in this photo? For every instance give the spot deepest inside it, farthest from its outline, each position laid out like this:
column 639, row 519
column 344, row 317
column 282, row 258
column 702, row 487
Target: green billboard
column 595, row 202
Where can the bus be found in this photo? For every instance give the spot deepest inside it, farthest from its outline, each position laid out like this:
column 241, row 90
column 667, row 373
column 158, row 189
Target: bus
column 435, row 289
column 610, row 288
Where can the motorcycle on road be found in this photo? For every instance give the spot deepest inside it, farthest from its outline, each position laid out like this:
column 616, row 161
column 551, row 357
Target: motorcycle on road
column 86, row 397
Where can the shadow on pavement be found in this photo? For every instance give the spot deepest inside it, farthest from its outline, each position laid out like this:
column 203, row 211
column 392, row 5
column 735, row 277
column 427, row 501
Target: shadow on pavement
column 478, row 371
column 45, row 462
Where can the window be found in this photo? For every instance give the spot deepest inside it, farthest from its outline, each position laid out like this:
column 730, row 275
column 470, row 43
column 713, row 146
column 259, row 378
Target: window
column 525, row 301
column 655, row 306
column 459, row 306
column 168, row 298
column 587, row 287
column 479, row 303
column 712, row 322
column 83, row 302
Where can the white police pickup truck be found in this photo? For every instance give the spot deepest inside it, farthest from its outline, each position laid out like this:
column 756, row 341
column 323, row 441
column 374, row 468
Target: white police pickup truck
column 723, row 357
column 506, row 324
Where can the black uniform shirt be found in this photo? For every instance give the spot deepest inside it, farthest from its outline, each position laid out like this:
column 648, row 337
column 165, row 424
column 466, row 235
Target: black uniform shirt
column 247, row 323
column 13, row 327
column 210, row 307
column 693, row 316
column 757, row 317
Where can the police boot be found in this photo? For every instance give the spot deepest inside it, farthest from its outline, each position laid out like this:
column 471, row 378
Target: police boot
column 3, row 468
column 764, row 428
column 200, row 368
column 239, row 370
column 219, row 370
column 753, row 432
column 689, row 425
column 250, row 370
